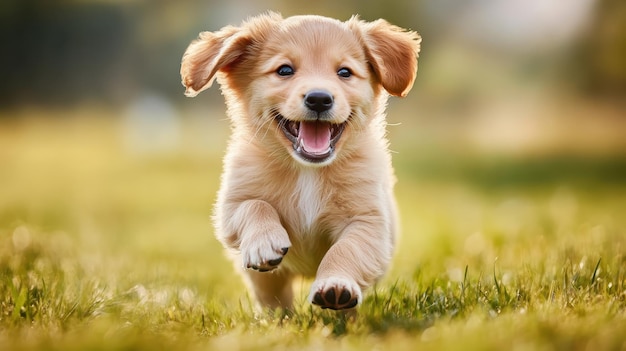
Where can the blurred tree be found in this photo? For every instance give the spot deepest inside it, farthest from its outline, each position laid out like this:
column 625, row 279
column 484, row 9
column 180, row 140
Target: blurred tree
column 599, row 59
column 58, row 52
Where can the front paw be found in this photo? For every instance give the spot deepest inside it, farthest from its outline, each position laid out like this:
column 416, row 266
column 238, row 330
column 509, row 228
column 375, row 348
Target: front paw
column 335, row 293
column 264, row 252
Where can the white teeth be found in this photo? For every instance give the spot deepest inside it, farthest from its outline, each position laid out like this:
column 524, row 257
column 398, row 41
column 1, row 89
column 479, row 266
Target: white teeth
column 298, row 145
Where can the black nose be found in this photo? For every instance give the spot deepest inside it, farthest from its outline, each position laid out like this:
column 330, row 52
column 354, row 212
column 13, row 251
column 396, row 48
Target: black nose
column 318, row 101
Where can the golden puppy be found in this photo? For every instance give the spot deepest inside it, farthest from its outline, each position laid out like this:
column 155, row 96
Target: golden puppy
column 307, row 187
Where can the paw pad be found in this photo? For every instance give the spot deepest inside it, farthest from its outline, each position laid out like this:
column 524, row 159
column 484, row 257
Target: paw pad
column 335, row 299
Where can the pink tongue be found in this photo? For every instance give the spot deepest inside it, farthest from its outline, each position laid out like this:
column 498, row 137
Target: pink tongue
column 314, row 137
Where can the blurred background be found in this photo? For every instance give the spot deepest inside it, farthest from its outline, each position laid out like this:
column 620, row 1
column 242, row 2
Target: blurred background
column 500, row 77
column 519, row 108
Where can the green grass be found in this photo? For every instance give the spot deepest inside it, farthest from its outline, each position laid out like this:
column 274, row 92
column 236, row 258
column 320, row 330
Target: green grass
column 102, row 249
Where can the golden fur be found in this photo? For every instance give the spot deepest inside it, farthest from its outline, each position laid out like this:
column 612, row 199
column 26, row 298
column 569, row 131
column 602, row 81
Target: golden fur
column 325, row 209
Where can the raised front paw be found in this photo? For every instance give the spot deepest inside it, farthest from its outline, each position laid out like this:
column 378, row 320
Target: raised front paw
column 335, row 293
column 264, row 252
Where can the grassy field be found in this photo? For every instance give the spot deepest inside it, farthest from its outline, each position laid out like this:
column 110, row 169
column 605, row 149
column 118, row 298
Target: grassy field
column 104, row 247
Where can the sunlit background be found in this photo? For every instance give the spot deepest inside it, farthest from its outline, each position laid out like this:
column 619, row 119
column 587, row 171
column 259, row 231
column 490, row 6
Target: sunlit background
column 515, row 78
column 99, row 146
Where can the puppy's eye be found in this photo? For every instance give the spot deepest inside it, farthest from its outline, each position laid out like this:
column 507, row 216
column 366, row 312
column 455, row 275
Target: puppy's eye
column 344, row 72
column 285, row 70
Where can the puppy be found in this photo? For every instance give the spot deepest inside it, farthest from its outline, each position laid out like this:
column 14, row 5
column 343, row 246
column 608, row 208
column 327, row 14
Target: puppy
column 307, row 186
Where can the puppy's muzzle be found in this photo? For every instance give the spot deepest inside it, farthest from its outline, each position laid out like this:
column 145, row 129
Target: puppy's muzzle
column 314, row 137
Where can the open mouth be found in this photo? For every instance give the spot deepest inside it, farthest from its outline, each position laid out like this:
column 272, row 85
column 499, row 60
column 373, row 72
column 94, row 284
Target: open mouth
column 315, row 140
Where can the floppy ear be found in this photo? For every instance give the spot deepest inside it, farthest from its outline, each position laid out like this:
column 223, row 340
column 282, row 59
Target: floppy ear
column 208, row 54
column 392, row 52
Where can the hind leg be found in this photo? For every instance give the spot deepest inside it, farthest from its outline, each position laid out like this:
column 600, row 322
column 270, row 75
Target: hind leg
column 271, row 289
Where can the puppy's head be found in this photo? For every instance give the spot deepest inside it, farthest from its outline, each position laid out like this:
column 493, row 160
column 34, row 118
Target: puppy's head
column 305, row 84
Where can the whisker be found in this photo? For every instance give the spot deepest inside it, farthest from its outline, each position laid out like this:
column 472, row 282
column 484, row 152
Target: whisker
column 258, row 129
column 268, row 118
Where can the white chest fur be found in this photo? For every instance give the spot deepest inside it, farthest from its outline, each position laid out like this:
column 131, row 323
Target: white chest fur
column 310, row 197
